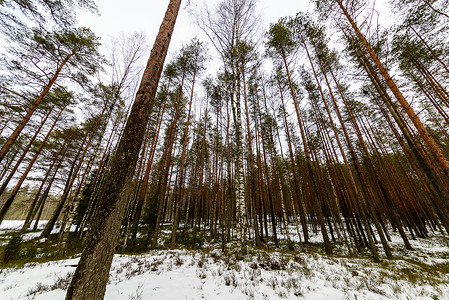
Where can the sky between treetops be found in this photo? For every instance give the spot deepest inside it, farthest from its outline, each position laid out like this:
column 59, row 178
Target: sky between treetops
column 118, row 17
column 127, row 17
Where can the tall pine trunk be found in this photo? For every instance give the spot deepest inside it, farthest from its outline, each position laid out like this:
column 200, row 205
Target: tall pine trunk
column 24, row 153
column 430, row 142
column 14, row 192
column 12, row 138
column 91, row 275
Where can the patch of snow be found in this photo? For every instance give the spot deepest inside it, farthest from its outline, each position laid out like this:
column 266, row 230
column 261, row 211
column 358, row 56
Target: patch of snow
column 211, row 274
column 183, row 274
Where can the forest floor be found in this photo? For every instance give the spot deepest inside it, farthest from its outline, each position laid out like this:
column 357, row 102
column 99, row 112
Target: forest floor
column 209, row 273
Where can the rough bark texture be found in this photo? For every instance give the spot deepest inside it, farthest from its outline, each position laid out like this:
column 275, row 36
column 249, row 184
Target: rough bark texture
column 91, row 275
column 239, row 184
column 252, row 184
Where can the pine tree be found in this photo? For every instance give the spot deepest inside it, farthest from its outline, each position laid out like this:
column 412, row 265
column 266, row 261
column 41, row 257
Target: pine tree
column 91, row 275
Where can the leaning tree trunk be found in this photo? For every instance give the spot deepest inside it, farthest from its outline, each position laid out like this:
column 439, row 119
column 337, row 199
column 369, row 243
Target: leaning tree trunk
column 14, row 192
column 56, row 162
column 430, row 142
column 12, row 138
column 91, row 275
column 24, row 153
column 51, row 223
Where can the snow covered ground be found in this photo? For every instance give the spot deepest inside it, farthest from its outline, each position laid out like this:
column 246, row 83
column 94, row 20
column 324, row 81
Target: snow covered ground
column 211, row 274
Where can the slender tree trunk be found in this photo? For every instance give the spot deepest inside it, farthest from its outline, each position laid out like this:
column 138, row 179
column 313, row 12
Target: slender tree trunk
column 33, row 107
column 164, row 173
column 182, row 165
column 429, row 4
column 297, row 191
column 307, row 154
column 97, row 182
column 8, row 163
column 431, row 144
column 429, row 48
column 41, row 204
column 13, row 194
column 5, row 124
column 201, row 175
column 269, row 187
column 146, row 177
column 73, row 204
column 364, row 183
column 31, row 213
column 24, row 152
column 251, row 162
column 51, row 223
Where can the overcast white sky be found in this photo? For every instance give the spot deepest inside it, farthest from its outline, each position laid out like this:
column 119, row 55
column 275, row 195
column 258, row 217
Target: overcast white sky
column 126, row 17
column 118, row 16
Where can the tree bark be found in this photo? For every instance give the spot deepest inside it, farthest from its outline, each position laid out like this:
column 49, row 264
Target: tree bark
column 24, row 152
column 91, row 275
column 33, row 107
column 51, row 223
column 430, row 142
column 9, row 201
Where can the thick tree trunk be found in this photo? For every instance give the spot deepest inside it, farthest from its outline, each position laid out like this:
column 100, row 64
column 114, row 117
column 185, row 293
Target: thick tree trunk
column 241, row 228
column 91, row 275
